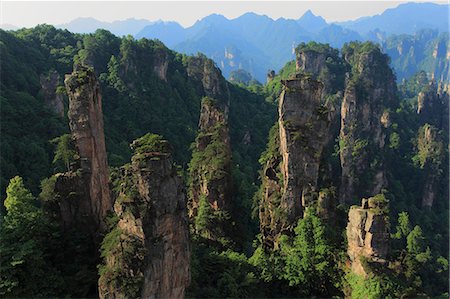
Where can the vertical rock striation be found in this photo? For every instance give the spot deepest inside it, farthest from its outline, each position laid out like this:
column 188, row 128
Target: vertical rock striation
column 291, row 175
column 161, row 63
column 370, row 92
column 303, row 124
column 86, row 125
column 213, row 84
column 52, row 98
column 210, row 188
column 147, row 253
column 368, row 234
column 212, row 144
column 430, row 156
column 431, row 106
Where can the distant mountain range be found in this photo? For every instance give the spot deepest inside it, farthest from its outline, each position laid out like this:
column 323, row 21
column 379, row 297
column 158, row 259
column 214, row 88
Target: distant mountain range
column 120, row 28
column 406, row 18
column 258, row 43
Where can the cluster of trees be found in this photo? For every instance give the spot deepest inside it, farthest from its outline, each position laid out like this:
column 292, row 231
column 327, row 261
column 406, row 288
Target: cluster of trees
column 39, row 260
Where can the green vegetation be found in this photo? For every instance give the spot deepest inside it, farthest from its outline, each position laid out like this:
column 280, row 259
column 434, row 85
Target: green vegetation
column 307, row 258
column 128, row 251
column 430, row 148
column 150, row 143
column 40, row 259
column 65, row 151
column 413, row 53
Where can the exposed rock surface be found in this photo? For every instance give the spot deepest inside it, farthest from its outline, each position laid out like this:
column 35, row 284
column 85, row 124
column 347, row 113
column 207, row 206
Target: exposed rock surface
column 86, row 125
column 323, row 63
column 161, row 63
column 369, row 92
column 210, row 167
column 431, row 106
column 431, row 158
column 149, row 256
column 204, row 70
column 290, row 178
column 53, row 100
column 310, row 61
column 82, row 194
column 368, row 233
column 303, row 126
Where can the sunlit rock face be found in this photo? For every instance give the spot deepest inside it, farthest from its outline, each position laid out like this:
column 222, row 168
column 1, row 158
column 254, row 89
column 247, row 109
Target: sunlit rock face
column 150, row 252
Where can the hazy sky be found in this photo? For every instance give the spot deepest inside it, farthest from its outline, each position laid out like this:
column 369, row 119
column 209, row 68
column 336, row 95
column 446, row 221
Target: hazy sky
column 27, row 14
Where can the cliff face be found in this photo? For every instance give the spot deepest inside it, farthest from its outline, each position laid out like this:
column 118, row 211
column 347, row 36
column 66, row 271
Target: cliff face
column 290, row 178
column 368, row 234
column 210, row 171
column 147, row 253
column 430, row 147
column 86, row 125
column 323, row 63
column 431, row 106
column 369, row 92
column 211, row 181
column 205, row 71
column 303, row 126
column 52, row 99
column 161, row 63
column 310, row 61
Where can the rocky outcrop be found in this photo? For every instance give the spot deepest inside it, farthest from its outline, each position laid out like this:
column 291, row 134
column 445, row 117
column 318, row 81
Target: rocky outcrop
column 147, row 253
column 430, row 106
column 88, row 181
column 303, row 126
column 205, row 71
column 430, row 156
column 290, row 182
column 323, row 63
column 368, row 234
column 308, row 60
column 161, row 63
column 369, row 93
column 52, row 98
column 210, row 167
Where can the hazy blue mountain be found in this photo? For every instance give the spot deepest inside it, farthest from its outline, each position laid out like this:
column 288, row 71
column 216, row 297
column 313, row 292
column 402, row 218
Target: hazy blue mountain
column 120, row 28
column 252, row 42
column 405, row 18
column 171, row 33
column 258, row 43
column 426, row 50
column 337, row 36
column 230, row 52
column 311, row 22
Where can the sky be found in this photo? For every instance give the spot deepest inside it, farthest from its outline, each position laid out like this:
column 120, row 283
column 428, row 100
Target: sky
column 31, row 13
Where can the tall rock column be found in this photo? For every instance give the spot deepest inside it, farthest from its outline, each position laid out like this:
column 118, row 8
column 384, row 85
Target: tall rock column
column 213, row 143
column 432, row 108
column 147, row 253
column 210, row 190
column 291, row 175
column 368, row 234
column 431, row 158
column 86, row 126
column 370, row 91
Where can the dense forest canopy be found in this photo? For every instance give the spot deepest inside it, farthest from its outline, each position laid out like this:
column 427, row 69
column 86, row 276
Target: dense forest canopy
column 181, row 106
